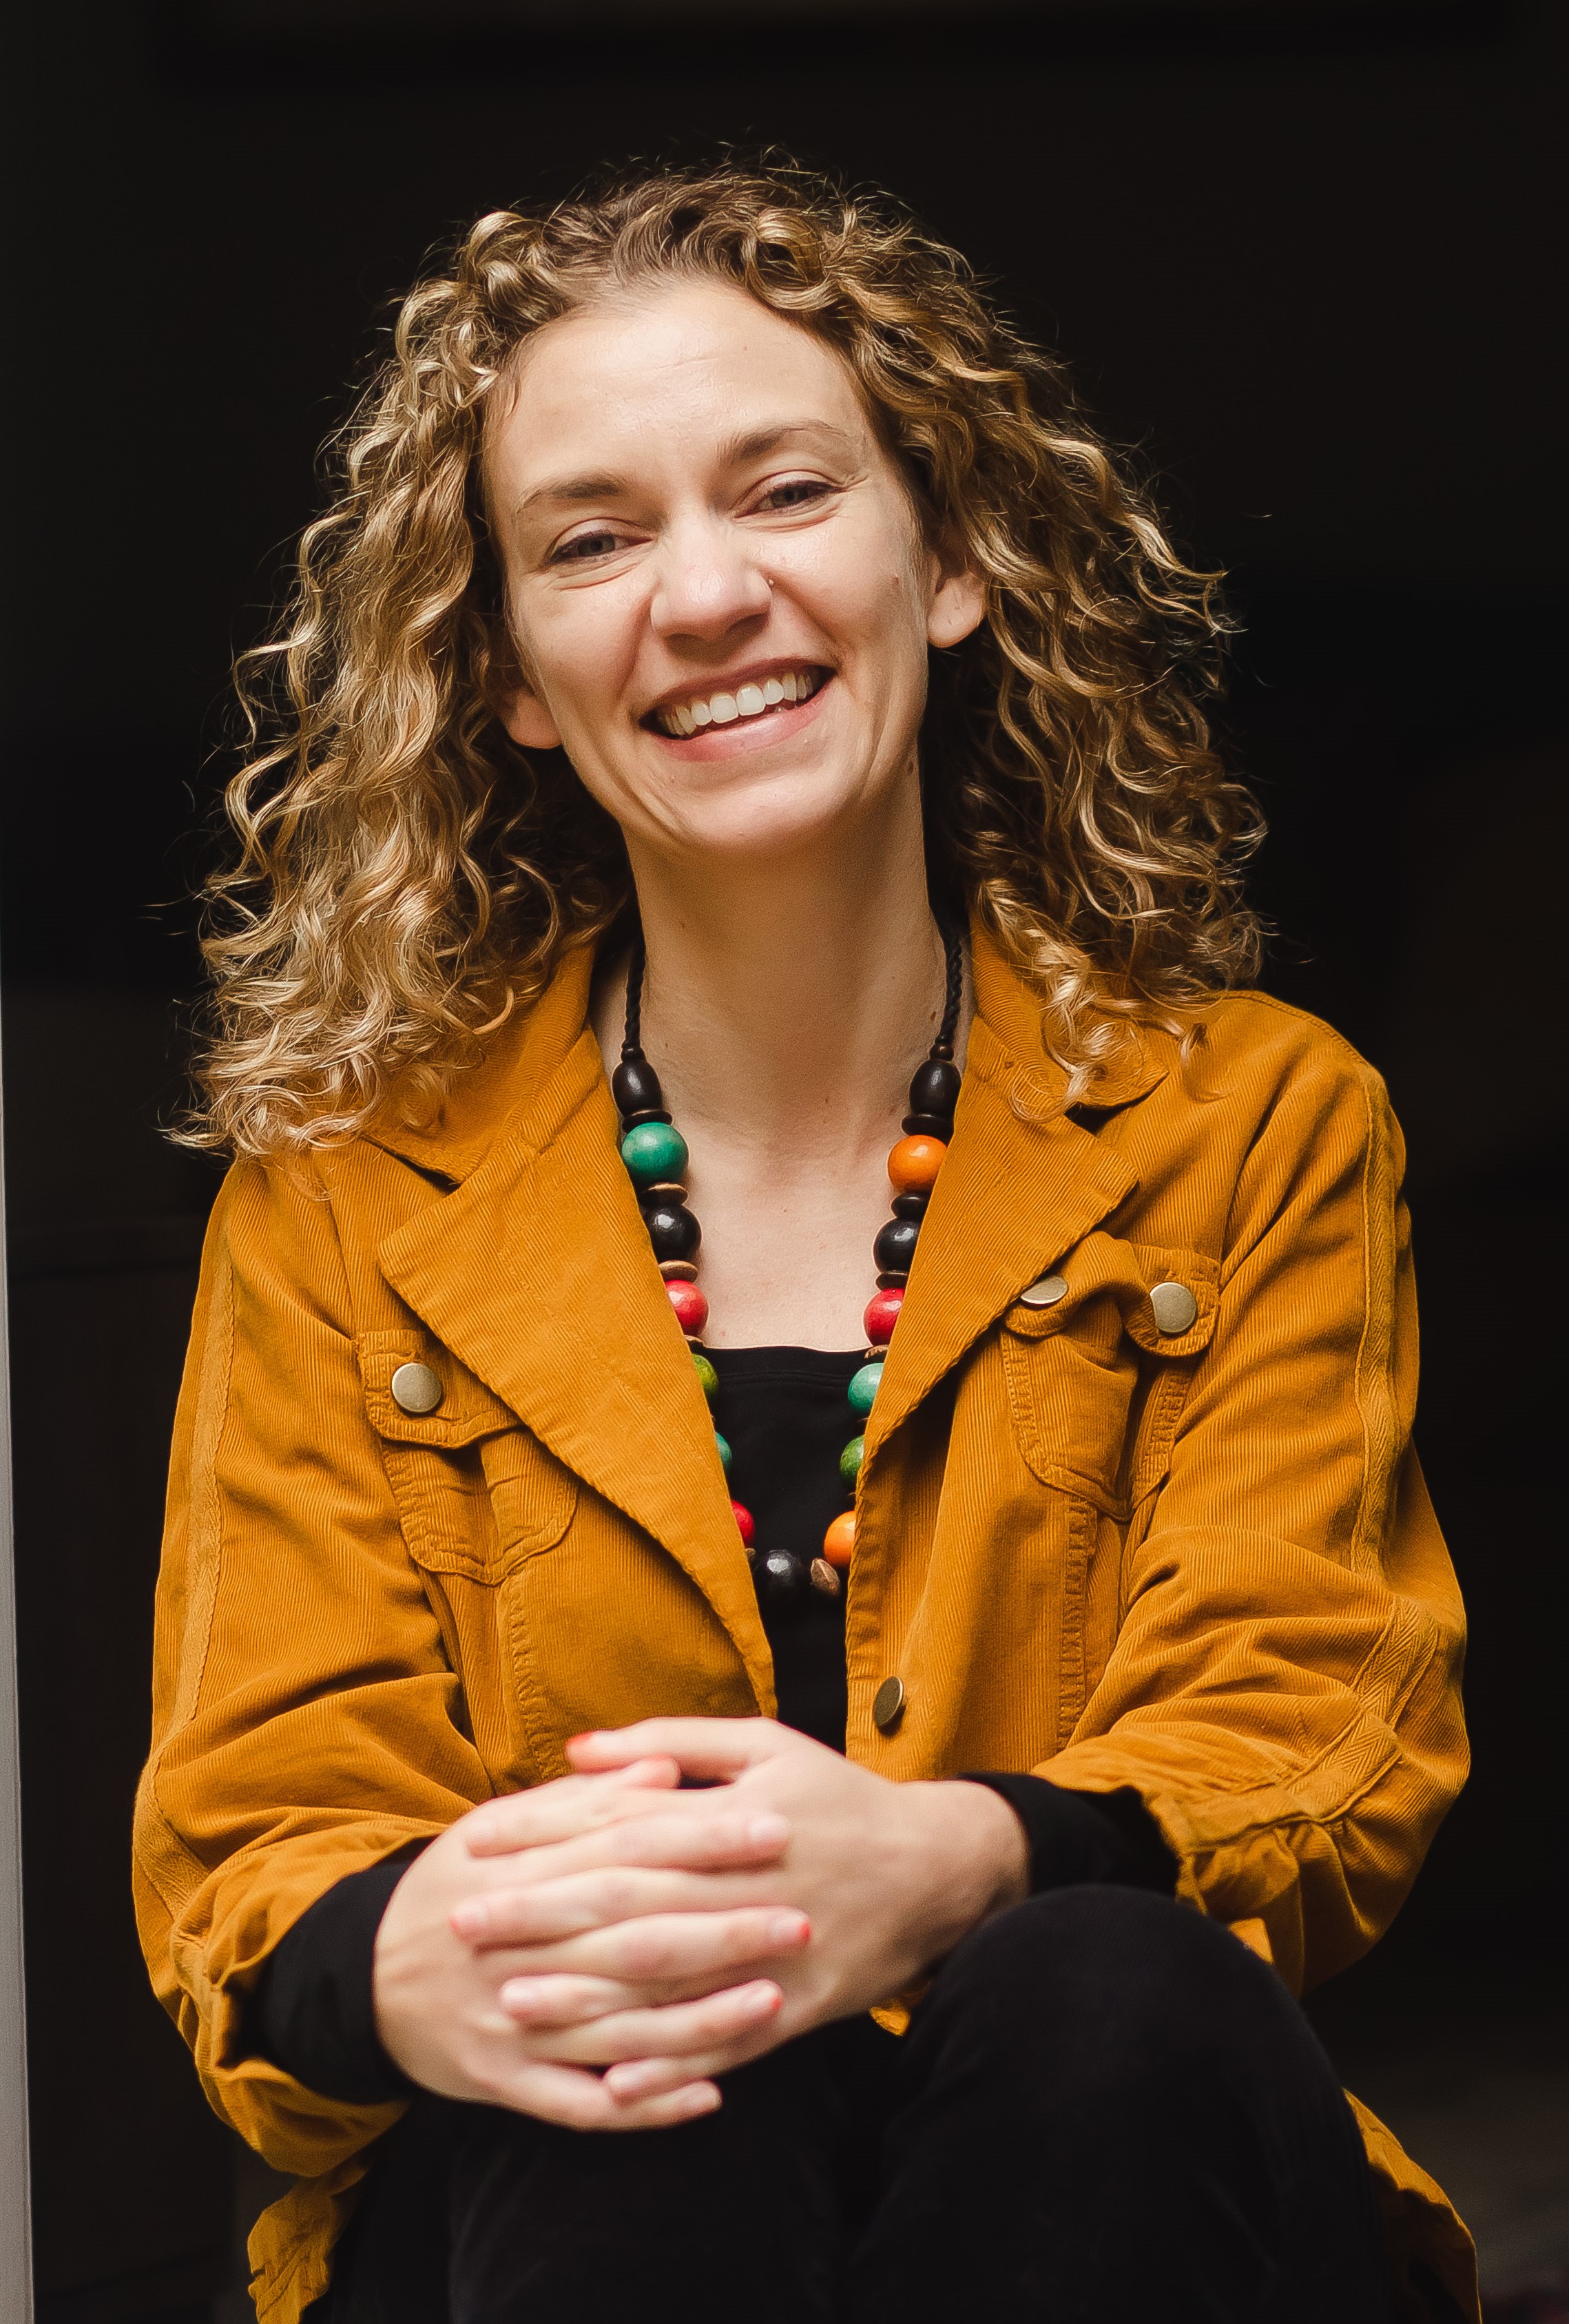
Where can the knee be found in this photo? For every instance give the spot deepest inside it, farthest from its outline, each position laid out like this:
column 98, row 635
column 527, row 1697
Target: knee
column 1129, row 1990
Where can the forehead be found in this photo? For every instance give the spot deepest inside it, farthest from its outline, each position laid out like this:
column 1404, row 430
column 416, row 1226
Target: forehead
column 683, row 365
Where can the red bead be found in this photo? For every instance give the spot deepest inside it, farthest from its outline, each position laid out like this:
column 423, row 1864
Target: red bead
column 882, row 1315
column 691, row 1307
column 745, row 1524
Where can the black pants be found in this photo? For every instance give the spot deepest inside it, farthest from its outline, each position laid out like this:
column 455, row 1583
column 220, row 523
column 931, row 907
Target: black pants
column 1106, row 2111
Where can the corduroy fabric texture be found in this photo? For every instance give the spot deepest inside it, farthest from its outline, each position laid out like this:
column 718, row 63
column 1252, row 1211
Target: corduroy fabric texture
column 1201, row 1564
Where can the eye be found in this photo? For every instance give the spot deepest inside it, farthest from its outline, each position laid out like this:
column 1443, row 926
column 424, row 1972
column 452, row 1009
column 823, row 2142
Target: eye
column 585, row 545
column 795, row 493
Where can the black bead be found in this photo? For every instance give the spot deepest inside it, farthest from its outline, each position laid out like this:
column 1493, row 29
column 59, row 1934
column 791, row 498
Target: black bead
column 635, row 1087
column 934, row 1087
column 644, row 1113
column 895, row 1245
column 911, row 1206
column 928, row 1125
column 782, row 1579
column 673, row 1230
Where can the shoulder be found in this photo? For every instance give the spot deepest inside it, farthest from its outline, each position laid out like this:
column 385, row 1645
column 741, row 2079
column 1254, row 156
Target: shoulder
column 1260, row 1054
column 1256, row 1106
column 1250, row 1030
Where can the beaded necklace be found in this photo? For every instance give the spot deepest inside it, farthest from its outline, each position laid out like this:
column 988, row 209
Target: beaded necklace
column 655, row 1156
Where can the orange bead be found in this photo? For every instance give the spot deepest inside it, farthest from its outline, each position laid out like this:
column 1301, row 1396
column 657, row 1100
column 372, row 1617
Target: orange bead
column 914, row 1164
column 840, row 1539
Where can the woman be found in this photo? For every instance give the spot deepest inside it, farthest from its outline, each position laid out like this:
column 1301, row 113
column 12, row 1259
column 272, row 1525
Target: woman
column 737, row 721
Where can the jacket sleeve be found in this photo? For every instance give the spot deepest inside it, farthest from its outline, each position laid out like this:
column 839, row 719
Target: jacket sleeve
column 1284, row 1689
column 307, row 1722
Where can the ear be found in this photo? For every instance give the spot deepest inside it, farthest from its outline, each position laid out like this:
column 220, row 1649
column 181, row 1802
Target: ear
column 525, row 715
column 959, row 604
column 515, row 703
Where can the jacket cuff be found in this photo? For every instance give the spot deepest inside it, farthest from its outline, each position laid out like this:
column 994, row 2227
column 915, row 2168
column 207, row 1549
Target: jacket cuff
column 1075, row 1838
column 312, row 2009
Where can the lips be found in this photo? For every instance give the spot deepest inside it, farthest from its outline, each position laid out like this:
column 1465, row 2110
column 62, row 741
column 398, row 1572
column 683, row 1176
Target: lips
column 753, row 698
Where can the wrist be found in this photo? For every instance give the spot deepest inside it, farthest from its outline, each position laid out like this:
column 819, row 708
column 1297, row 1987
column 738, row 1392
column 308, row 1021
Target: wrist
column 981, row 1861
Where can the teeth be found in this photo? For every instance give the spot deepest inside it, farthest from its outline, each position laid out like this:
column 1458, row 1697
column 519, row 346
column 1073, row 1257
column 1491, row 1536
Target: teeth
column 749, row 701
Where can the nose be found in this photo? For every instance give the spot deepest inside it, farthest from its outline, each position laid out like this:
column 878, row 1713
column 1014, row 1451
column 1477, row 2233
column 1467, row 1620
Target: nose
column 709, row 583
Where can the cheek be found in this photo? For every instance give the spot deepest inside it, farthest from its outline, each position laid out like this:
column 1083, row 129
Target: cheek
column 572, row 649
column 865, row 592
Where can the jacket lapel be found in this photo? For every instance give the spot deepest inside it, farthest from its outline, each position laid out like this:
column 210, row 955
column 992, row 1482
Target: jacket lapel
column 1021, row 1184
column 536, row 1271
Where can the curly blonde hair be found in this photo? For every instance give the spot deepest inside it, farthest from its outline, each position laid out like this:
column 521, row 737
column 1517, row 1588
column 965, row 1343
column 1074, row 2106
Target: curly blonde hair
column 407, row 875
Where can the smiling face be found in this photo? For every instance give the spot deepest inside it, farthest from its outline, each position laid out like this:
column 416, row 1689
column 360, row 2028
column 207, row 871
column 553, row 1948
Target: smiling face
column 716, row 577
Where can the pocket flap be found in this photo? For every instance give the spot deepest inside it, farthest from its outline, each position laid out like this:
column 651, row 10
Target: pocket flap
column 464, row 1409
column 1152, row 1290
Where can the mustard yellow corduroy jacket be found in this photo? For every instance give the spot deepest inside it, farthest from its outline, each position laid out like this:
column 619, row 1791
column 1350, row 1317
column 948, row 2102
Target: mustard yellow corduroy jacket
column 1202, row 1564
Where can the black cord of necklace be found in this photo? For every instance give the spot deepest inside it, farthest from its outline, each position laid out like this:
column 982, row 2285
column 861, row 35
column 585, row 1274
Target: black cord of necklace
column 632, row 1046
column 943, row 1046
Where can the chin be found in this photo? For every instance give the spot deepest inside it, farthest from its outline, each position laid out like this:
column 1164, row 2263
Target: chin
column 772, row 816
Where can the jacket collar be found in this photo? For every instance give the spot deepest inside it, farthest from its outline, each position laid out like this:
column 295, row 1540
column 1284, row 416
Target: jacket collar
column 536, row 1269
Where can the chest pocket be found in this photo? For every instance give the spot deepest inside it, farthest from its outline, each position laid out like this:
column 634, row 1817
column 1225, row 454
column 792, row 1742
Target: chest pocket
column 1098, row 1369
column 476, row 1489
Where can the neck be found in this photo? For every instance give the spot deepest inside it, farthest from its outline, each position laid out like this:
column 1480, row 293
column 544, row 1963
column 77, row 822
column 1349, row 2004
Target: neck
column 786, row 1004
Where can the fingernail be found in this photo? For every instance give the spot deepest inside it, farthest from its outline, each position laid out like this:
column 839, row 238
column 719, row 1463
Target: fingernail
column 704, row 2099
column 468, row 1919
column 788, row 1928
column 767, row 1830
column 764, row 2000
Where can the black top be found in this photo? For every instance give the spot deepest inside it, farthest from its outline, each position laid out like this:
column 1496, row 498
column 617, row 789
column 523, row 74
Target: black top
column 784, row 1414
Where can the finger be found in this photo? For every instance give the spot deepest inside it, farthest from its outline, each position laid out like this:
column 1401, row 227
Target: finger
column 570, row 1806
column 674, row 1949
column 700, row 1746
column 545, row 1912
column 640, row 2081
column 698, row 1839
column 550, row 2001
column 674, row 2033
column 578, row 2100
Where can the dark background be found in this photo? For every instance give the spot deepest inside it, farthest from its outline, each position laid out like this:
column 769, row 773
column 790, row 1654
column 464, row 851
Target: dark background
column 1303, row 258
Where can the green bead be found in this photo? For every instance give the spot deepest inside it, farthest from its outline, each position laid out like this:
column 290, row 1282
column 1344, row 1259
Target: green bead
column 863, row 1387
column 850, row 1462
column 708, row 1378
column 723, row 1451
column 655, row 1153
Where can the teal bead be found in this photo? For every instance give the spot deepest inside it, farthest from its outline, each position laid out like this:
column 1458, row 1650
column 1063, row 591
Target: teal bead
column 708, row 1378
column 655, row 1153
column 863, row 1387
column 850, row 1462
column 725, row 1456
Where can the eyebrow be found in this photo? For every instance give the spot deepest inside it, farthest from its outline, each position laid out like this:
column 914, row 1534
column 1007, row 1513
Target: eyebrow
column 752, row 445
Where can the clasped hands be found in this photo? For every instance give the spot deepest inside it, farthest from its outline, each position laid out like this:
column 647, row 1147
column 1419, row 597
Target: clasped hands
column 596, row 1951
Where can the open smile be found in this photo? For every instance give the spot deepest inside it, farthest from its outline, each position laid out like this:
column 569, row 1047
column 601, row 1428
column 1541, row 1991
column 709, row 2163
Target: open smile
column 758, row 698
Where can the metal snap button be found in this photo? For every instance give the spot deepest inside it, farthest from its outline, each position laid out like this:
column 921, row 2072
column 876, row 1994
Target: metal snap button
column 416, row 1388
column 1174, row 1308
column 1044, row 1293
column 888, row 1704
